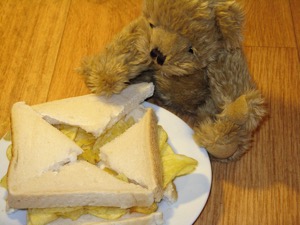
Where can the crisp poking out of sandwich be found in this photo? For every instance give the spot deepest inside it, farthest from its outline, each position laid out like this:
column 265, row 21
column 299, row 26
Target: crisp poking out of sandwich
column 151, row 219
column 88, row 143
column 136, row 154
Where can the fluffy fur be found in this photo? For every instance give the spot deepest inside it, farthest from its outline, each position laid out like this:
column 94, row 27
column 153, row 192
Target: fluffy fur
column 191, row 50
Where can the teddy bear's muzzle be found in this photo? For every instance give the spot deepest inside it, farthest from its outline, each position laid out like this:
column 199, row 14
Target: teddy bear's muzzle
column 156, row 54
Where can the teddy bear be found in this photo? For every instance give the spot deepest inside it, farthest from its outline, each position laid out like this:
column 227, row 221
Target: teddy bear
column 192, row 51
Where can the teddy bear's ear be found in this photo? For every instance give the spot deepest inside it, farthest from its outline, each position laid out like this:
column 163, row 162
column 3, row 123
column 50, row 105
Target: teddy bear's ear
column 229, row 19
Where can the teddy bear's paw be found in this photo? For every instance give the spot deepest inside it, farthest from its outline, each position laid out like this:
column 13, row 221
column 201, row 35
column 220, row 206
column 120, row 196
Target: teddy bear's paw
column 102, row 78
column 257, row 109
column 224, row 140
column 237, row 111
column 106, row 86
column 248, row 110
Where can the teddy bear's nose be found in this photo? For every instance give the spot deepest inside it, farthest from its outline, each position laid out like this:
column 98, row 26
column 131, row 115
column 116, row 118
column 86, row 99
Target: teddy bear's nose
column 160, row 58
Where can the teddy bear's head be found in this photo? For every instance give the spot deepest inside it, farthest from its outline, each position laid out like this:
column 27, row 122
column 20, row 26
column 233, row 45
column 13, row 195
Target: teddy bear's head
column 186, row 34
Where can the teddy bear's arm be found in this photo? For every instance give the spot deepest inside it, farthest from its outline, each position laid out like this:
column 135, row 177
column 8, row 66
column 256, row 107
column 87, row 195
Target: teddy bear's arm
column 123, row 59
column 228, row 135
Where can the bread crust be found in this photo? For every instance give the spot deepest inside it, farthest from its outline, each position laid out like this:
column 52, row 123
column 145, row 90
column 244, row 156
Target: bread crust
column 156, row 159
column 52, row 200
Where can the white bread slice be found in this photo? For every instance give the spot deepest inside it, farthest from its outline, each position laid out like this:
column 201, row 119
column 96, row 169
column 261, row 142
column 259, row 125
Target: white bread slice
column 44, row 172
column 136, row 154
column 31, row 135
column 95, row 113
column 77, row 184
column 155, row 218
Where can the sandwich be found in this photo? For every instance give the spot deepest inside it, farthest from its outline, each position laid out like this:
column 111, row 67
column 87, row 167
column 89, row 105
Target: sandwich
column 44, row 171
column 31, row 183
column 47, row 173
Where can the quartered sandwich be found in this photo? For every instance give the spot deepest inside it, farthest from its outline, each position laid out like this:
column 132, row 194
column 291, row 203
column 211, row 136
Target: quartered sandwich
column 44, row 171
column 51, row 172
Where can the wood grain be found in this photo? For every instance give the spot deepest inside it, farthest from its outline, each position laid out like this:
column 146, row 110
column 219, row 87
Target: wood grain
column 268, row 23
column 42, row 43
column 30, row 38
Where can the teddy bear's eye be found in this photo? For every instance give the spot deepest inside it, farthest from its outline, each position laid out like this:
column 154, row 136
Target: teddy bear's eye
column 191, row 50
column 151, row 25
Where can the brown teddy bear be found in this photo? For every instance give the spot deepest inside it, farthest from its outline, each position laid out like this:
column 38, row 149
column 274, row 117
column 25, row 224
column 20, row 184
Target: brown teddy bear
column 191, row 50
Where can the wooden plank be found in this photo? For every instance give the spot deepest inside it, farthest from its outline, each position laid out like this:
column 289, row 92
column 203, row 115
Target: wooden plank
column 295, row 9
column 90, row 26
column 263, row 187
column 30, row 35
column 268, row 23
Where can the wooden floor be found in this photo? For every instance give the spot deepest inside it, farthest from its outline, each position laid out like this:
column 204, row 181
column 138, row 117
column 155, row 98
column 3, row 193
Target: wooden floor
column 43, row 41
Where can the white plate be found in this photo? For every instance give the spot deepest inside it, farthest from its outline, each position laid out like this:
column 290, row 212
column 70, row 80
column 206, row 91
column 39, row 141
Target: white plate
column 193, row 189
